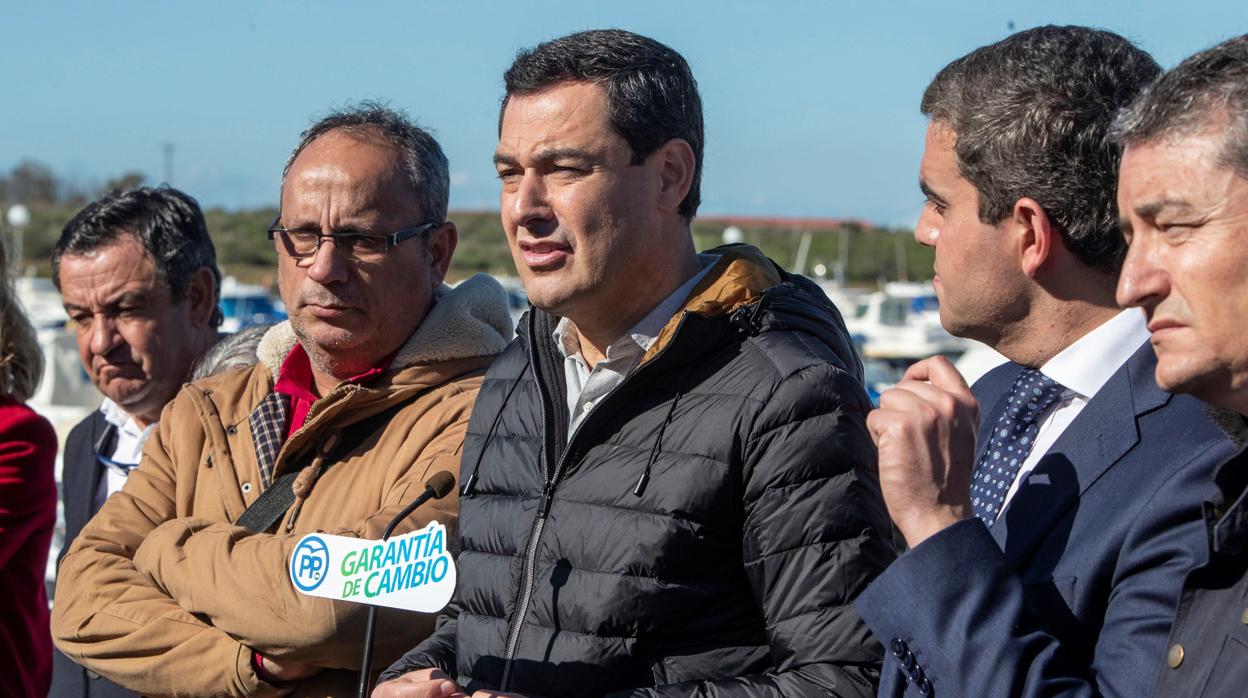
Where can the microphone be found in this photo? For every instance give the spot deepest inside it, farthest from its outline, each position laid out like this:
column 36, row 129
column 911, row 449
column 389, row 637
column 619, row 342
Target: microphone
column 436, row 487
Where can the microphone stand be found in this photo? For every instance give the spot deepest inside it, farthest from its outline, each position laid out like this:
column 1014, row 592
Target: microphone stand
column 436, row 487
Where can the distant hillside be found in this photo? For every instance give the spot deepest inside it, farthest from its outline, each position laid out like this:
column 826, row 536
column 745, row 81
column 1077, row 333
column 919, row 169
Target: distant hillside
column 244, row 251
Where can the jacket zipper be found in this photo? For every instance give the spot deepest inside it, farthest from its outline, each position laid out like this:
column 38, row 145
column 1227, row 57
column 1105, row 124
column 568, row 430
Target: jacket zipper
column 530, row 551
column 548, row 495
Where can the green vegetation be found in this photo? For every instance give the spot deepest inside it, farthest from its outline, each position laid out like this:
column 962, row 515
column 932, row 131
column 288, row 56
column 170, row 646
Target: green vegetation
column 244, row 251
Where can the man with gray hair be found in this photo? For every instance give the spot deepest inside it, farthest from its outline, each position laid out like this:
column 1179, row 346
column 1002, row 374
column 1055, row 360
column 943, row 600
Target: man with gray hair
column 1047, row 555
column 1183, row 197
column 179, row 585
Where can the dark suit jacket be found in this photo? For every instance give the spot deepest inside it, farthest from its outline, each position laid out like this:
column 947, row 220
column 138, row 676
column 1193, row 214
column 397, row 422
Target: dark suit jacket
column 1208, row 656
column 80, row 478
column 1073, row 590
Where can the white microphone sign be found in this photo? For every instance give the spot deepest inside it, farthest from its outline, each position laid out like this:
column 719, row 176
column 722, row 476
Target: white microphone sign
column 413, row 571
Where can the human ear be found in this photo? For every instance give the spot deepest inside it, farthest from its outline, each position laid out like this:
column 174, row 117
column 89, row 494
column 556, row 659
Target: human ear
column 439, row 247
column 201, row 293
column 676, row 166
column 1039, row 235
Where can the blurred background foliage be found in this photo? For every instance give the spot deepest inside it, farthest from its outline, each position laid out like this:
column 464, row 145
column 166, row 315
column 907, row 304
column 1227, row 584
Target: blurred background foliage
column 874, row 254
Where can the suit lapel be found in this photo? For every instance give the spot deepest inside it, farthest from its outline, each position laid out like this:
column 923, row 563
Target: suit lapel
column 1098, row 438
column 84, row 480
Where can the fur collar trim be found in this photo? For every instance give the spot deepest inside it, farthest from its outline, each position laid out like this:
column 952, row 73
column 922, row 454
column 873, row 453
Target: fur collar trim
column 468, row 320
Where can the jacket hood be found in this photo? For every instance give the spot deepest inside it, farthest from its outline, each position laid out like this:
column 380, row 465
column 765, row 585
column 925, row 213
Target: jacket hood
column 466, row 321
column 738, row 277
column 748, row 286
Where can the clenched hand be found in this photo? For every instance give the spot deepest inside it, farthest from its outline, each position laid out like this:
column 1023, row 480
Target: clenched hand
column 925, row 432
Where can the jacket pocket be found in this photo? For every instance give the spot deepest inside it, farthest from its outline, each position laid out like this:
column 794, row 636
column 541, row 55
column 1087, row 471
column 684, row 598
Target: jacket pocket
column 1226, row 676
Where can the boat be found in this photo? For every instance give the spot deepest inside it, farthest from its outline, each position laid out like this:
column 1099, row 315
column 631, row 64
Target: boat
column 901, row 323
column 244, row 305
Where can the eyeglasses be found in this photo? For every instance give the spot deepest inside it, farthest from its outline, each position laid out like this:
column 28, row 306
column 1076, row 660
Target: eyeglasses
column 361, row 247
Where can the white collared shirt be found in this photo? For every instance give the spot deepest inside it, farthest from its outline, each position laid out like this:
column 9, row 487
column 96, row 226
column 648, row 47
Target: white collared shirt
column 584, row 388
column 1082, row 368
column 128, row 449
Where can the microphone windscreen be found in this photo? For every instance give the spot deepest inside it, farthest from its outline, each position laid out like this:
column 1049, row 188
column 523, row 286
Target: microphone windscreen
column 441, row 483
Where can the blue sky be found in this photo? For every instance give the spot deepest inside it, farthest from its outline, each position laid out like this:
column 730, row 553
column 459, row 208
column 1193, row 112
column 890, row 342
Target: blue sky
column 811, row 107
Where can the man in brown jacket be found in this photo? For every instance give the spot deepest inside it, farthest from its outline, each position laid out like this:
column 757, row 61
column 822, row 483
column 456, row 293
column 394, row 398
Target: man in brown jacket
column 367, row 389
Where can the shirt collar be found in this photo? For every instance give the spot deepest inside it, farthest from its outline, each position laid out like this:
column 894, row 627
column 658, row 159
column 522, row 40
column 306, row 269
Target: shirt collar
column 641, row 336
column 127, row 448
column 115, row 415
column 296, row 380
column 1085, row 366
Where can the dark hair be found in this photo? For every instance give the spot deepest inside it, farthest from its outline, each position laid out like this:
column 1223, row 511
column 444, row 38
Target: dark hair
column 422, row 158
column 167, row 223
column 1191, row 97
column 651, row 94
column 1031, row 114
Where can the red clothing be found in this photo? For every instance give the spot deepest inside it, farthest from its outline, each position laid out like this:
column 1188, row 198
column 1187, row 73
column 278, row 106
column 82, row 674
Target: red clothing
column 296, row 381
column 27, row 516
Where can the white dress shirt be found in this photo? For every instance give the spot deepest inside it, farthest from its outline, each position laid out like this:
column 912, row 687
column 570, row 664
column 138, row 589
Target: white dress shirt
column 128, row 450
column 585, row 387
column 1082, row 369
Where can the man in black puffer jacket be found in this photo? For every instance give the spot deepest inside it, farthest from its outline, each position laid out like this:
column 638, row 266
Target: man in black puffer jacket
column 668, row 486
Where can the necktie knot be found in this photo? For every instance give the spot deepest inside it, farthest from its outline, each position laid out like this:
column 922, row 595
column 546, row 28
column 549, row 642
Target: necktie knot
column 1033, row 393
column 1011, row 441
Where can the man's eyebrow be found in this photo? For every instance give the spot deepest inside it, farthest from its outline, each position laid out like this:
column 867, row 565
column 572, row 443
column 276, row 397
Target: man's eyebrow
column 127, row 298
column 130, row 297
column 1152, row 208
column 562, row 154
column 293, row 223
column 927, row 191
column 547, row 156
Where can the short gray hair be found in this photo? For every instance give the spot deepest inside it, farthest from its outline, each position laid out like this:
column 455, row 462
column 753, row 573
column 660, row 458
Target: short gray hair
column 1191, row 97
column 232, row 351
column 1031, row 114
column 422, row 158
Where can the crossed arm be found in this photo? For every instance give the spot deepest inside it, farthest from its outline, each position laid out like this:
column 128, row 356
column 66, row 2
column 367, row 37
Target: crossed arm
column 109, row 616
column 152, row 600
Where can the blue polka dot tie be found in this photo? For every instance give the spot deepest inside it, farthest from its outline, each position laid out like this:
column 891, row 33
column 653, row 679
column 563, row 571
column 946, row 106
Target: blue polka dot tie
column 1011, row 440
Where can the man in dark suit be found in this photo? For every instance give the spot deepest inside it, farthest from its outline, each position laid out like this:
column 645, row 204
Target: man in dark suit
column 1183, row 196
column 138, row 277
column 1047, row 560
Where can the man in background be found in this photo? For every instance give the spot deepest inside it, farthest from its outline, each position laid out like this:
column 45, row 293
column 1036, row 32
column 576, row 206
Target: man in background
column 1183, row 197
column 138, row 276
column 1048, row 558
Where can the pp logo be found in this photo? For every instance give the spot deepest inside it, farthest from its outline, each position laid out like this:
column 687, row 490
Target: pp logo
column 309, row 563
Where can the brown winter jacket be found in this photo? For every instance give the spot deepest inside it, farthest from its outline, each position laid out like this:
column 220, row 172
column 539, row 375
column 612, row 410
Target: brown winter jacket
column 164, row 595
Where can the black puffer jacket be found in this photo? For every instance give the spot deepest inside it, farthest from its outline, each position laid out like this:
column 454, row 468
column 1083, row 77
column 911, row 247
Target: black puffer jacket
column 705, row 530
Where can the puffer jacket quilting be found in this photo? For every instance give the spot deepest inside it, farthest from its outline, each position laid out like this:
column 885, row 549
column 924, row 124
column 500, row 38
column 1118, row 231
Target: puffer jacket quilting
column 708, row 525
